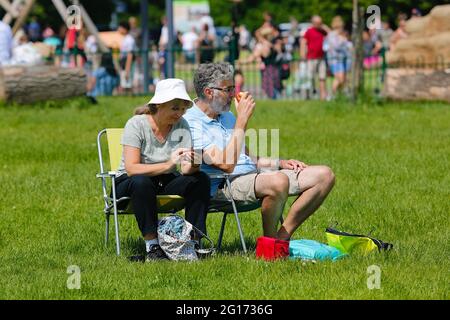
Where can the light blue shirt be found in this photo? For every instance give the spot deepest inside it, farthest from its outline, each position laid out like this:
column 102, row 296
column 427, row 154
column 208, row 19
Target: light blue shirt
column 207, row 132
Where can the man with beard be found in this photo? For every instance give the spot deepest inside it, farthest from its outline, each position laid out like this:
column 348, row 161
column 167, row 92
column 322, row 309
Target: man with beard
column 221, row 138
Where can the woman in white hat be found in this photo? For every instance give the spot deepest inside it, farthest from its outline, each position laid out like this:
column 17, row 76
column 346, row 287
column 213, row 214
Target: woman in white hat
column 155, row 141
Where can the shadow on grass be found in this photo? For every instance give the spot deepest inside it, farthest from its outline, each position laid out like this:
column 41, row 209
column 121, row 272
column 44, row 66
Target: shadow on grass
column 235, row 247
column 134, row 248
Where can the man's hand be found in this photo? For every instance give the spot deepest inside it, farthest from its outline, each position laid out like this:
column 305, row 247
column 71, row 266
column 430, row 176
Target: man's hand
column 244, row 107
column 293, row 164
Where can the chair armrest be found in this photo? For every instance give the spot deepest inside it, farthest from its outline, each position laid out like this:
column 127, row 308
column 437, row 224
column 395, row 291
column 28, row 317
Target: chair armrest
column 109, row 174
column 219, row 175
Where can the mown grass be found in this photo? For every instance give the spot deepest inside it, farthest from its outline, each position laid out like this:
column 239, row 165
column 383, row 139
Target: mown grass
column 392, row 166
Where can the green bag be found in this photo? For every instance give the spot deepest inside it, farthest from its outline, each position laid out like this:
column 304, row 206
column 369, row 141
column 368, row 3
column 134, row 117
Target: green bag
column 353, row 243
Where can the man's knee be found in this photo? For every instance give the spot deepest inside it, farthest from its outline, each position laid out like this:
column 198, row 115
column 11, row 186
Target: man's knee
column 326, row 176
column 279, row 185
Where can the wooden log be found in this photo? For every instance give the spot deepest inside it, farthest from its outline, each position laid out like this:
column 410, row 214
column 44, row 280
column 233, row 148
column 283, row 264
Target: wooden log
column 22, row 84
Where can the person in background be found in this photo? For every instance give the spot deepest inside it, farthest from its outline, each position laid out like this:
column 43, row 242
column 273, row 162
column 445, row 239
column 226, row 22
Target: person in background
column 59, row 50
column 336, row 52
column 162, row 48
column 135, row 31
column 244, row 38
column 415, row 12
column 127, row 49
column 266, row 55
column 399, row 34
column 74, row 43
column 34, row 30
column 207, row 19
column 51, row 40
column 205, row 44
column 311, row 49
column 239, row 81
column 385, row 35
column 371, row 48
column 189, row 44
column 104, row 80
column 6, row 43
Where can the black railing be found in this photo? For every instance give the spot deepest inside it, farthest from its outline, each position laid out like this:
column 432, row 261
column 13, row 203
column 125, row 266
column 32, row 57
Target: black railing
column 290, row 79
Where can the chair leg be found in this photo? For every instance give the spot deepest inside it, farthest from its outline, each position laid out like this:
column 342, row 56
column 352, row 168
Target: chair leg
column 241, row 233
column 116, row 217
column 107, row 229
column 222, row 229
column 236, row 215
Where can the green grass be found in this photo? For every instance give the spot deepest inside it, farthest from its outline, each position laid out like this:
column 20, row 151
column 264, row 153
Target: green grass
column 392, row 167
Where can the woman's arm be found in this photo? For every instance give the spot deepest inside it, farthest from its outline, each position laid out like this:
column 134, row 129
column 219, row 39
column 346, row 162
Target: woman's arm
column 133, row 165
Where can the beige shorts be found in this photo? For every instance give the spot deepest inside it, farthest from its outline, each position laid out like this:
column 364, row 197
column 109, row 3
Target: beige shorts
column 243, row 187
column 317, row 67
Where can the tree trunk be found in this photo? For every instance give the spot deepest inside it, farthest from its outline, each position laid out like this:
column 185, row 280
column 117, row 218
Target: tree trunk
column 357, row 80
column 31, row 84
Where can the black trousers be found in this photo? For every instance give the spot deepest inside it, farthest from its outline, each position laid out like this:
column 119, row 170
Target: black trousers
column 142, row 190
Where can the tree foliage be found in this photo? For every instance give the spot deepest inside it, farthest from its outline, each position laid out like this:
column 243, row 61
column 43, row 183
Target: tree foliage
column 249, row 12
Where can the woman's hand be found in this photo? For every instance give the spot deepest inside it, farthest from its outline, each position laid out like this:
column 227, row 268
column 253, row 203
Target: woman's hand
column 192, row 157
column 177, row 156
column 191, row 161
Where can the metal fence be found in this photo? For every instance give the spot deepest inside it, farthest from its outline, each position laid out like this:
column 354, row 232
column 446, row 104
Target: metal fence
column 288, row 79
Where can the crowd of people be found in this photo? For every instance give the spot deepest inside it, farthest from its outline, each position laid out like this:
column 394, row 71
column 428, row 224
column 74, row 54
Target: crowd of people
column 307, row 56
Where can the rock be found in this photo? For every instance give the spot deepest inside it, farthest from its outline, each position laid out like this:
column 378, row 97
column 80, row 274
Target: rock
column 428, row 40
column 417, row 84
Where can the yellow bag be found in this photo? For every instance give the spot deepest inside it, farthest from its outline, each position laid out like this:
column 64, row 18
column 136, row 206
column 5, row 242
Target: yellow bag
column 354, row 243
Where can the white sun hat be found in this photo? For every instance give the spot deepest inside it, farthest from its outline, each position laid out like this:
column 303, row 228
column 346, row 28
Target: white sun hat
column 168, row 90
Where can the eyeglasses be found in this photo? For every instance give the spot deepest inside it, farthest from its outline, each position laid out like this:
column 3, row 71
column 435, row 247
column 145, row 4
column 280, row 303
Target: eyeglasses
column 227, row 90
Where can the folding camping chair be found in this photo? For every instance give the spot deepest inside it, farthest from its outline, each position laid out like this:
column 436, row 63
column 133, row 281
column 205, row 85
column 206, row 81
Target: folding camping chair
column 166, row 203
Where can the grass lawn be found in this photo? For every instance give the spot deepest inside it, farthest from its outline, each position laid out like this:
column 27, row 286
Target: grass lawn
column 393, row 176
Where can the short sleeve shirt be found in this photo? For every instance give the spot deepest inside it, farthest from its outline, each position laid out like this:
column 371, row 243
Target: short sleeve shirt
column 139, row 134
column 314, row 39
column 207, row 132
column 128, row 45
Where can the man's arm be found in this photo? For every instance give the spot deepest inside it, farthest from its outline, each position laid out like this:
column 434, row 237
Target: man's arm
column 303, row 48
column 128, row 64
column 226, row 159
column 262, row 162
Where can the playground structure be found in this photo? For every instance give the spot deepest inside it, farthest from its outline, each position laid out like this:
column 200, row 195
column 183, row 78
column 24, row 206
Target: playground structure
column 28, row 84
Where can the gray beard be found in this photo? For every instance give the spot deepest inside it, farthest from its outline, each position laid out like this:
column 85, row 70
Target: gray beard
column 219, row 107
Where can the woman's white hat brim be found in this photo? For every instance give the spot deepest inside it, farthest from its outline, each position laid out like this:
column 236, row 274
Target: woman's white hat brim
column 168, row 90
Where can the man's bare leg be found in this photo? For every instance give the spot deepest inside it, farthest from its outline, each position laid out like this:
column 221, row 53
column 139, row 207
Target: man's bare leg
column 315, row 184
column 273, row 189
column 323, row 89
